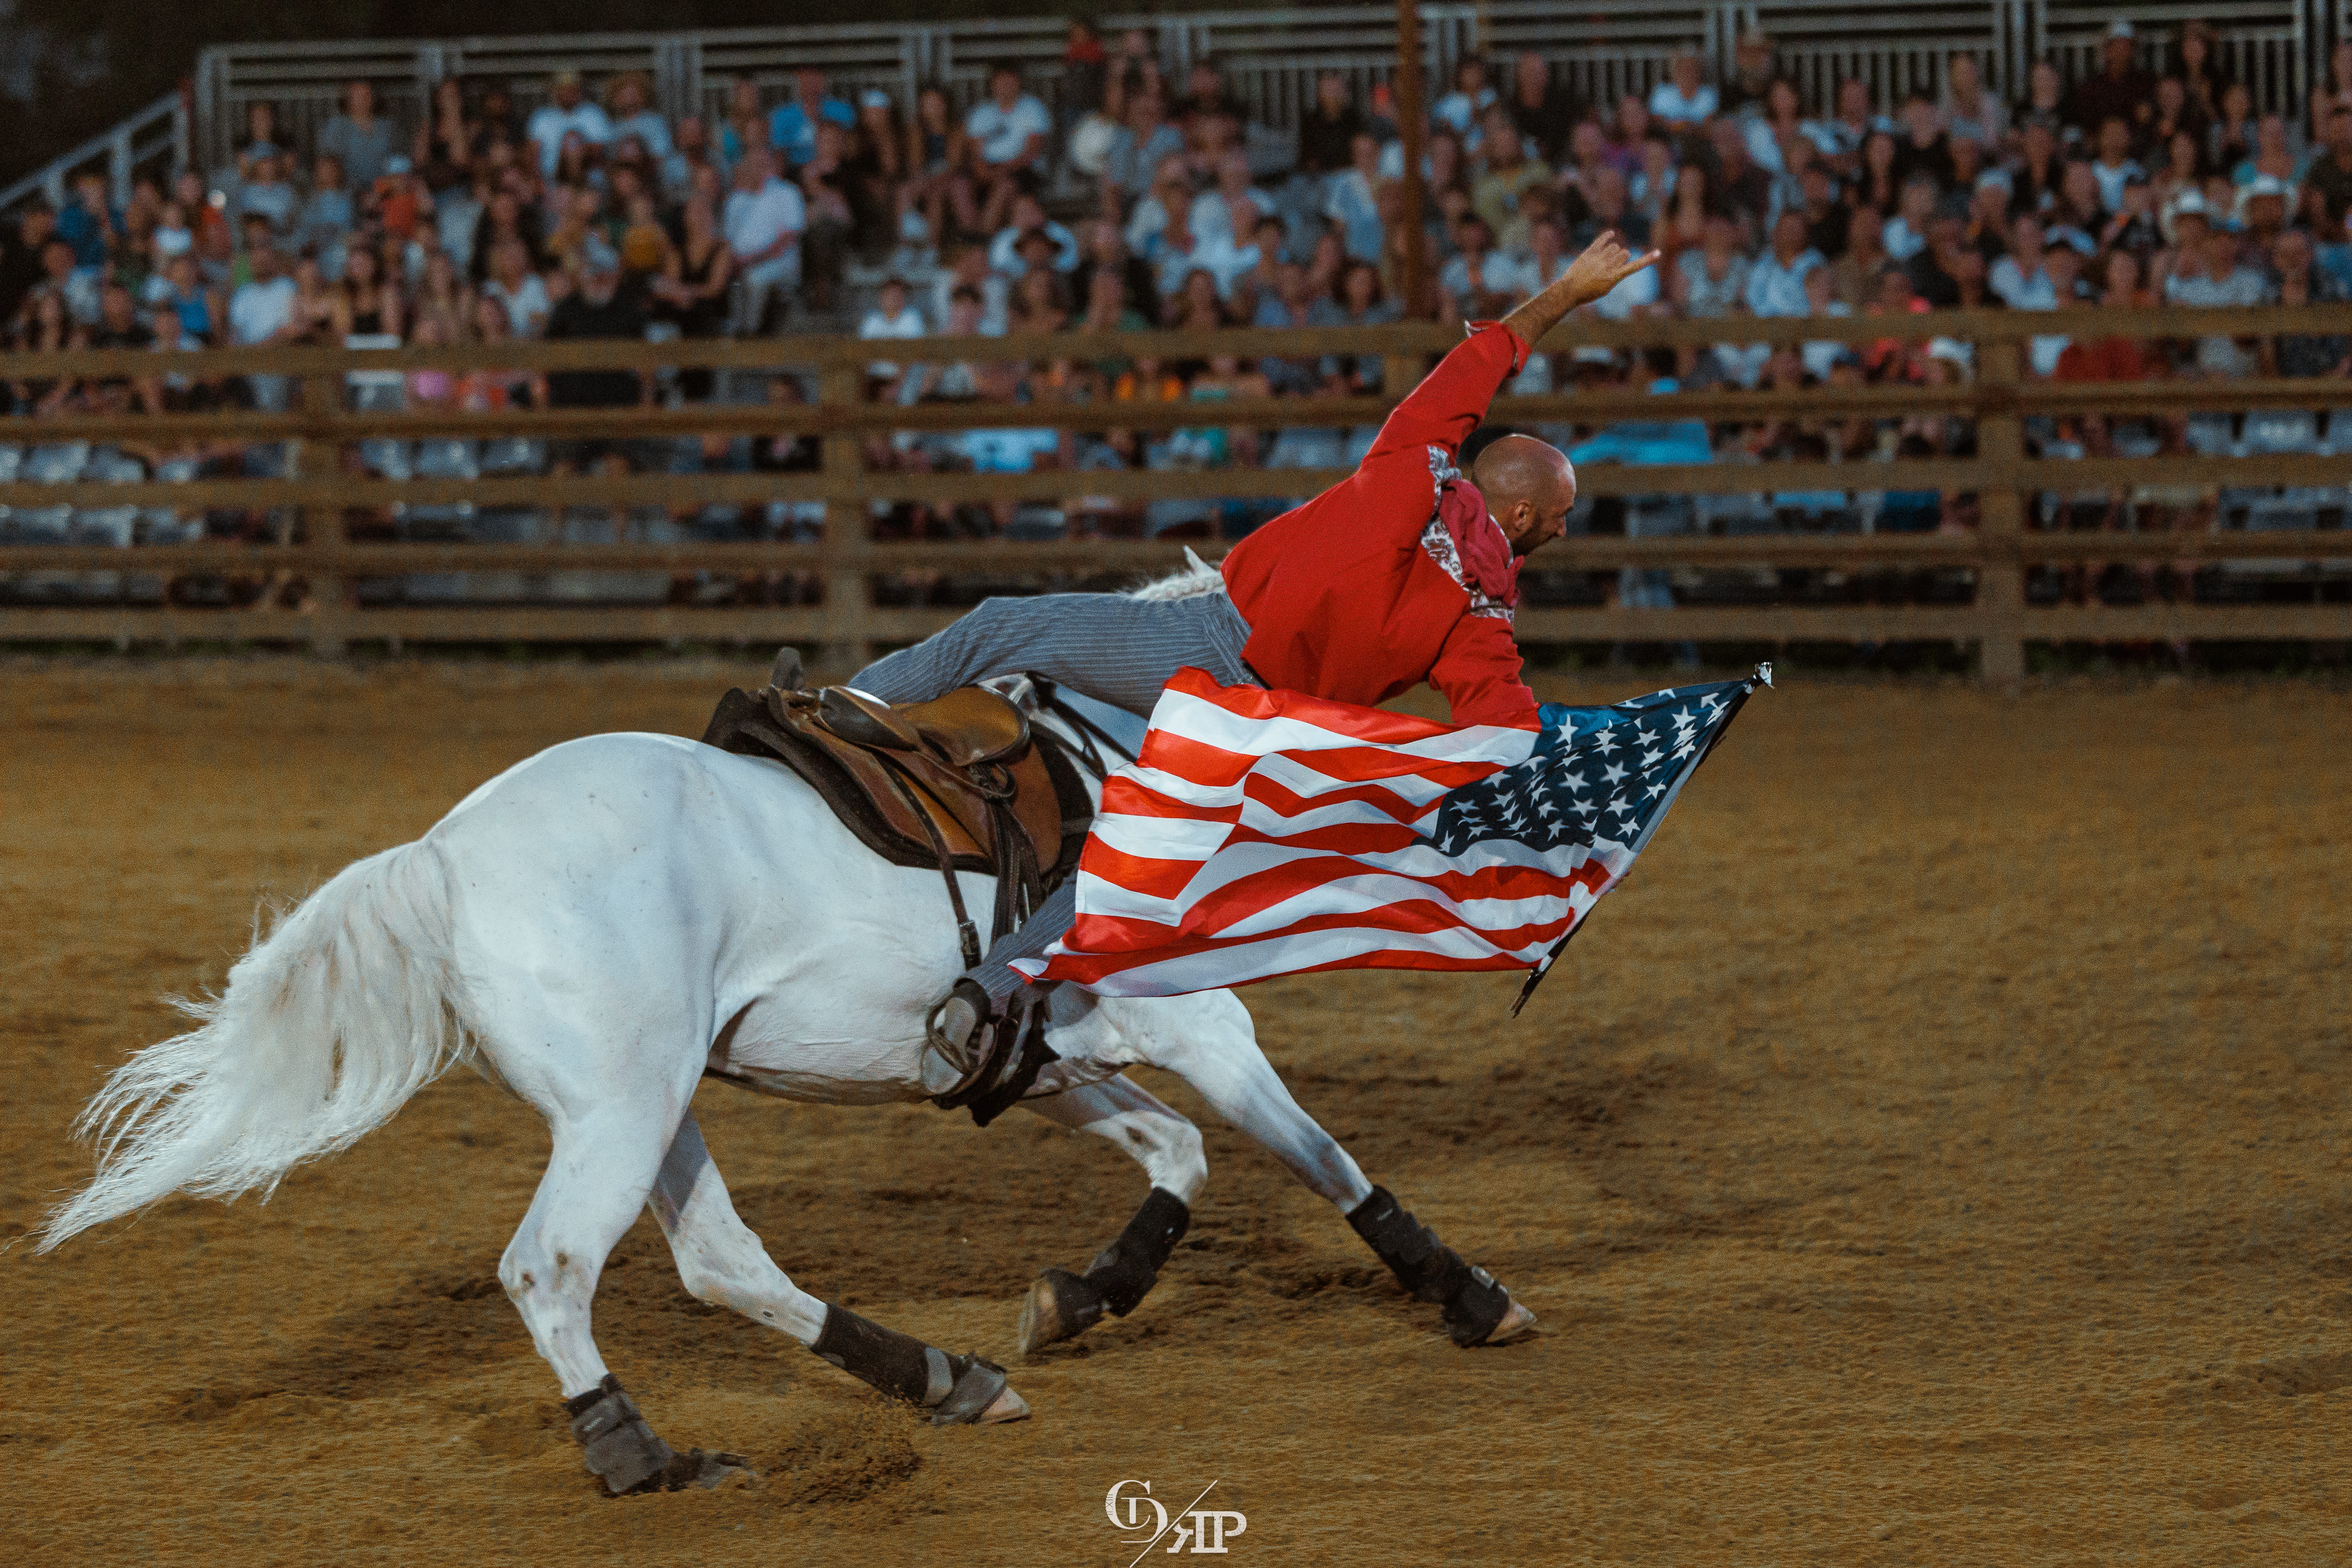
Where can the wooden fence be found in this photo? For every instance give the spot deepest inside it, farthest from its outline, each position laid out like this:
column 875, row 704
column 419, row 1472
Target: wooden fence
column 845, row 626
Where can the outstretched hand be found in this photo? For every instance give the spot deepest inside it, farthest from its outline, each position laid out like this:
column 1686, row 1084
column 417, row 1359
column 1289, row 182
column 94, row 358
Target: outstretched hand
column 1604, row 264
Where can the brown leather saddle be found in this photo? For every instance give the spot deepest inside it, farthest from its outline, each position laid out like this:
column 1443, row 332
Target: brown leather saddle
column 961, row 783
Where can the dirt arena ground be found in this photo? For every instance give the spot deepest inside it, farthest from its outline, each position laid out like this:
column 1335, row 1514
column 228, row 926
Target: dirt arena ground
column 1936, row 1154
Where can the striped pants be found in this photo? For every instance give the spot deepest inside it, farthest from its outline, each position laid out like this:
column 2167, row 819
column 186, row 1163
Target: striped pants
column 1113, row 648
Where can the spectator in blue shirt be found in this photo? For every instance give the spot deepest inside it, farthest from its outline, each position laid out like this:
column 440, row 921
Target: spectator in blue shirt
column 792, row 129
column 1775, row 282
column 1028, row 218
column 1684, row 101
column 632, row 113
column 360, row 139
column 90, row 221
column 564, row 112
column 1008, row 130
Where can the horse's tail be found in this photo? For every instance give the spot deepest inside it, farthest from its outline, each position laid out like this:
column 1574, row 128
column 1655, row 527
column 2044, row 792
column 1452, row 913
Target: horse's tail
column 348, row 1006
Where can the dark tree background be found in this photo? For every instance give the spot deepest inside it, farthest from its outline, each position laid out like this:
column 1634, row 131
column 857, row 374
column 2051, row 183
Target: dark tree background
column 70, row 69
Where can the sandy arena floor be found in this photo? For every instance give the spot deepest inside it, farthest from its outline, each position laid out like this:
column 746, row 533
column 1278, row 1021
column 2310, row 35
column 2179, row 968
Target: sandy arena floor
column 1934, row 1155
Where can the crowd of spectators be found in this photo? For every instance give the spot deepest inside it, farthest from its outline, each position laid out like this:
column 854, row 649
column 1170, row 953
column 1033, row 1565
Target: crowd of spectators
column 1142, row 199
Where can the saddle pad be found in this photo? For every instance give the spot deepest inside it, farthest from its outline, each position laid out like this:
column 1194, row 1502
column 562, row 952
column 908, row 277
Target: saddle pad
column 1049, row 801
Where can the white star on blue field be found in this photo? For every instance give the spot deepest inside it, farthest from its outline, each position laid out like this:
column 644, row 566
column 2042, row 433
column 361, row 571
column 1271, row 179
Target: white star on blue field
column 1602, row 776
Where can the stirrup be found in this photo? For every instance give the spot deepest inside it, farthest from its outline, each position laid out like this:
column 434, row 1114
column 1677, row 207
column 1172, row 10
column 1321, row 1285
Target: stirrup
column 964, row 1054
column 1007, row 1053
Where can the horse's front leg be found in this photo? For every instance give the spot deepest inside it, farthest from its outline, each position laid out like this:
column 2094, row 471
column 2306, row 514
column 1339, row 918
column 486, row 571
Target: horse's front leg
column 1209, row 1042
column 1061, row 1304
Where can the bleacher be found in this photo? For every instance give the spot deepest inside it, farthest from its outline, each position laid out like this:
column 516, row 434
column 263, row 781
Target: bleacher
column 1270, row 60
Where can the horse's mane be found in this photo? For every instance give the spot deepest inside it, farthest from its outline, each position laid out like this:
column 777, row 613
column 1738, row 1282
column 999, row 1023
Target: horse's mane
column 1196, row 577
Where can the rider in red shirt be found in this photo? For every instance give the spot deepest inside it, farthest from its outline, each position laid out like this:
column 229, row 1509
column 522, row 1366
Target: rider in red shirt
column 1407, row 571
column 1399, row 574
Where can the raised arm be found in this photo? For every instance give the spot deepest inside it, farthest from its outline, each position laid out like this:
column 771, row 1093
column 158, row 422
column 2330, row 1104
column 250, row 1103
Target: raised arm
column 1451, row 399
column 1604, row 264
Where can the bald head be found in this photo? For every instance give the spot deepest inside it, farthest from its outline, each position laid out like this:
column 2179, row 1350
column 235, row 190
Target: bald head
column 1529, row 488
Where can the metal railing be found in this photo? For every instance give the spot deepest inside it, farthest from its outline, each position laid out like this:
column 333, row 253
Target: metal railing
column 313, row 495
column 1603, row 47
column 2272, row 46
column 155, row 138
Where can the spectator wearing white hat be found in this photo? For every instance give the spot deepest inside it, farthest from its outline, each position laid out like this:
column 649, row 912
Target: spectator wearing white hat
column 2188, row 203
column 2262, row 209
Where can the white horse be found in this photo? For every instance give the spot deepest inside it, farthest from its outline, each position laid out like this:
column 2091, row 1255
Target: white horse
column 599, row 927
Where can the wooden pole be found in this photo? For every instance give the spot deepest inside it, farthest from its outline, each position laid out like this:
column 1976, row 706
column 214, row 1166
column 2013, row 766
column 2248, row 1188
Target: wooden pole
column 848, row 592
column 318, row 525
column 1410, row 123
column 2000, row 587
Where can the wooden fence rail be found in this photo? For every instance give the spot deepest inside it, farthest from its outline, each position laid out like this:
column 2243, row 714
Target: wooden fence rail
column 844, row 564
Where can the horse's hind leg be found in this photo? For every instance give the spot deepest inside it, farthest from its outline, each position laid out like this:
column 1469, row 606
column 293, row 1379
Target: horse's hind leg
column 597, row 1178
column 1062, row 1304
column 721, row 1261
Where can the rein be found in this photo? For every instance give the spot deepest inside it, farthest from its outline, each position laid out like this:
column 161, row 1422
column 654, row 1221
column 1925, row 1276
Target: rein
column 1089, row 732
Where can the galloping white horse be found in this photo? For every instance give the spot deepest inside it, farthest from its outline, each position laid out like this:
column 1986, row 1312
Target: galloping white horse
column 596, row 929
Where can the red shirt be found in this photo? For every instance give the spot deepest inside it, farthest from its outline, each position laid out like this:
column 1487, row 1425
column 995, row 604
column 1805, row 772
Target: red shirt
column 2105, row 359
column 1365, row 590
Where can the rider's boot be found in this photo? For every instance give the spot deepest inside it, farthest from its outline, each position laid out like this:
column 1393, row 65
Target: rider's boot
column 981, row 1054
column 956, row 1037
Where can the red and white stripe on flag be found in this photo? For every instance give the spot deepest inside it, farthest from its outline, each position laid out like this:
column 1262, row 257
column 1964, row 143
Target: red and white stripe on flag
column 1264, row 833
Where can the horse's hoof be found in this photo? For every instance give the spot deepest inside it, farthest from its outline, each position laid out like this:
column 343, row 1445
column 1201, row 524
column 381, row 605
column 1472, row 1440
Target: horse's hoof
column 700, row 1469
column 1517, row 1324
column 1007, row 1406
column 1059, row 1306
column 980, row 1397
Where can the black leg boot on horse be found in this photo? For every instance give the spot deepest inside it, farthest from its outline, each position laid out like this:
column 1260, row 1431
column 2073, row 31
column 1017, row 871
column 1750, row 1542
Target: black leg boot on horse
column 1062, row 1305
column 1476, row 1310
column 952, row 1390
column 624, row 1453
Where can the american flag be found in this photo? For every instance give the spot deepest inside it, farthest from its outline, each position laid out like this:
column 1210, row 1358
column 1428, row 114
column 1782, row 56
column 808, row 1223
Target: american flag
column 1263, row 833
